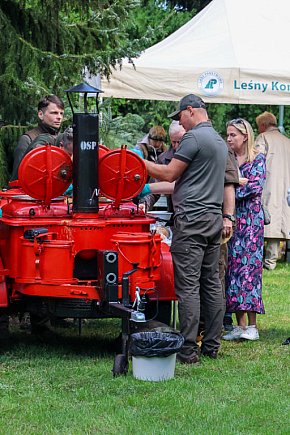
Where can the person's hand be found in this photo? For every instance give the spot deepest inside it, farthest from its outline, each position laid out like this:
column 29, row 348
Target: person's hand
column 243, row 181
column 142, row 206
column 69, row 190
column 145, row 191
column 146, row 163
column 227, row 228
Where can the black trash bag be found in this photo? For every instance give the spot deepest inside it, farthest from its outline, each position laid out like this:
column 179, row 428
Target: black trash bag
column 155, row 343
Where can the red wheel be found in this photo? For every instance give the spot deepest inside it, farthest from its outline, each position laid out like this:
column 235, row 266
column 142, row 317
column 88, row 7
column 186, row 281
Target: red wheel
column 122, row 175
column 45, row 173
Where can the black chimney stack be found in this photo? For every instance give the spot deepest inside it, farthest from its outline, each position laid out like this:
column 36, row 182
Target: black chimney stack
column 85, row 154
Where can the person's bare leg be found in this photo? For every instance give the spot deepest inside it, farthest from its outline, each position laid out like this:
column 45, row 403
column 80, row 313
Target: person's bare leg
column 241, row 319
column 252, row 316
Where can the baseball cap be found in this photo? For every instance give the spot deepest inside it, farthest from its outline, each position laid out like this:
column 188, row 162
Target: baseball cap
column 189, row 100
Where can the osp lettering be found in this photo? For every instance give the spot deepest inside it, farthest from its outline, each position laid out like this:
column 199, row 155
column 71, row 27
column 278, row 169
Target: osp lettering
column 88, row 145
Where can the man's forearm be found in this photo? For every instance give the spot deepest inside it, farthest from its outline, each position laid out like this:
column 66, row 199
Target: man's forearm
column 162, row 187
column 169, row 172
column 229, row 199
column 228, row 209
column 160, row 172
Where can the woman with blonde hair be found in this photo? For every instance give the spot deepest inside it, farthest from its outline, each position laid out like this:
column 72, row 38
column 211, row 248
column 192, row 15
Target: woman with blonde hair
column 245, row 262
column 152, row 144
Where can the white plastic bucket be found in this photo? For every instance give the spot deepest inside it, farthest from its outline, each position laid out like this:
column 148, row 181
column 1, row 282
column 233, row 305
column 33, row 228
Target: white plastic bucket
column 155, row 368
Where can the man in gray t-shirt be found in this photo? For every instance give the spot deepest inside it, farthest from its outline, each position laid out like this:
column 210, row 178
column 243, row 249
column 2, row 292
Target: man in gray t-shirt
column 199, row 189
column 198, row 166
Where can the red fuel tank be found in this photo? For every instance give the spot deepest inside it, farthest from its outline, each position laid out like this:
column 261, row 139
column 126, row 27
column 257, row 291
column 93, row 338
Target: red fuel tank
column 46, row 260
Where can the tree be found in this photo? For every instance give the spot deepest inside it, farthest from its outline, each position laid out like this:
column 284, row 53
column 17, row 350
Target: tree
column 46, row 44
column 188, row 5
column 158, row 19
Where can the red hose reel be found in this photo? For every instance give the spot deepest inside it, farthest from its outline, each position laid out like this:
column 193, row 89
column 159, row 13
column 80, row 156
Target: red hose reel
column 122, row 175
column 46, row 172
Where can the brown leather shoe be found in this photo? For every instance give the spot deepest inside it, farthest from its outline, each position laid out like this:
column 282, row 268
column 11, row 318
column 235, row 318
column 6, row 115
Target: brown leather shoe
column 192, row 358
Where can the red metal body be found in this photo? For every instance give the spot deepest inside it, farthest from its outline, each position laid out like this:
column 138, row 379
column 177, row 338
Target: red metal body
column 63, row 266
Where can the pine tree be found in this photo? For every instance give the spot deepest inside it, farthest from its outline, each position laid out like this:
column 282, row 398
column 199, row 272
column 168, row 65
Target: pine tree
column 45, row 46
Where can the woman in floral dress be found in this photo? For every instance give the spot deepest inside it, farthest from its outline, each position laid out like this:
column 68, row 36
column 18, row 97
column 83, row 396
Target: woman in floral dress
column 245, row 262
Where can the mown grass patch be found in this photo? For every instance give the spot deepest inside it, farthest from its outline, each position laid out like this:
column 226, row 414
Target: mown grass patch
column 63, row 384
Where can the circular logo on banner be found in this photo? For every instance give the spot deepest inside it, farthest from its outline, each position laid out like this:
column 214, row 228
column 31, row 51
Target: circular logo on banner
column 210, row 83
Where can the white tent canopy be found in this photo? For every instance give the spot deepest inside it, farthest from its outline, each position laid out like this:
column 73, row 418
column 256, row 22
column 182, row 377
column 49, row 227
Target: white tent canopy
column 233, row 51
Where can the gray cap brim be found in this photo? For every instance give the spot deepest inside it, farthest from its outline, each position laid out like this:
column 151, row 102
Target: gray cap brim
column 175, row 115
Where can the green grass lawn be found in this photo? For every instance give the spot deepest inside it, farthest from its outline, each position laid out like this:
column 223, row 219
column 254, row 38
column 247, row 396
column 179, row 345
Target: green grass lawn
column 63, row 384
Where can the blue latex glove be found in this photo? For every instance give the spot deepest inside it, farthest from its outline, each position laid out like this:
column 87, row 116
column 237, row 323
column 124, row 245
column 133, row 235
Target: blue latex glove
column 0, row 212
column 146, row 191
column 139, row 152
column 69, row 190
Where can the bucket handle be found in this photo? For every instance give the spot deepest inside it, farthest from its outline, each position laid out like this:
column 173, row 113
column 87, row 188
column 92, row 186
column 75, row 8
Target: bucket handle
column 152, row 252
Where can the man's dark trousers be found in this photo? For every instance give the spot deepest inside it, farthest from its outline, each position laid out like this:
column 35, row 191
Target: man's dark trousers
column 195, row 252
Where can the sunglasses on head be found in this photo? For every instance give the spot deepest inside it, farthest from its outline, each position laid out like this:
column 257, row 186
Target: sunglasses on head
column 236, row 121
column 157, row 138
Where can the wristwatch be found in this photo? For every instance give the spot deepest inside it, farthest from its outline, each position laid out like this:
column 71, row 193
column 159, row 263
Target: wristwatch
column 231, row 217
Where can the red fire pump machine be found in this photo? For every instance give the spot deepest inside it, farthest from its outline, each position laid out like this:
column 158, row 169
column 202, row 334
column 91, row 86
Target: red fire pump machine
column 92, row 257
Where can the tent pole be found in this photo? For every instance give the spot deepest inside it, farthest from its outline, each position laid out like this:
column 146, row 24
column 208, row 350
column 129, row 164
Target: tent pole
column 281, row 119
